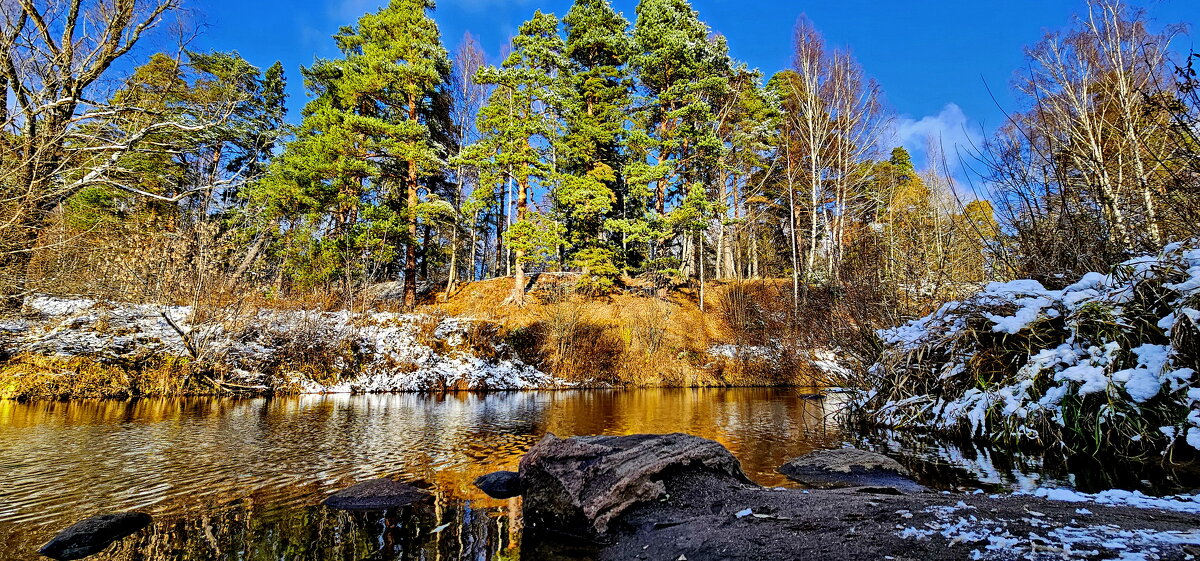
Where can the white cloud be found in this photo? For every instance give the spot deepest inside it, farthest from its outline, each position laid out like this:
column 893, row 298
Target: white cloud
column 951, row 129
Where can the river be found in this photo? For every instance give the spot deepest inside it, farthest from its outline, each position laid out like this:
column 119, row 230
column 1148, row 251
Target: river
column 243, row 478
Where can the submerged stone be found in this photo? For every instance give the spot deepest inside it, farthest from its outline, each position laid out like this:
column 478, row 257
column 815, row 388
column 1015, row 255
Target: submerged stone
column 500, row 484
column 92, row 535
column 850, row 467
column 376, row 494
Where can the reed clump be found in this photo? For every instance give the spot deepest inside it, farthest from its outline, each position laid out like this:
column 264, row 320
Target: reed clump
column 1107, row 365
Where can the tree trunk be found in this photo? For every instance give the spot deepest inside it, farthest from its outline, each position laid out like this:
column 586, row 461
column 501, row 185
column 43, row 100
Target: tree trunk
column 474, row 246
column 517, row 296
column 254, row 251
column 701, row 253
column 452, row 280
column 14, row 268
column 795, row 239
column 410, row 254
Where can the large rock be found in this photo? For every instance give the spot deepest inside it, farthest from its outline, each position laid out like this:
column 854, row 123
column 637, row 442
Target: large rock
column 376, row 494
column 578, row 485
column 500, row 484
column 93, row 535
column 849, row 467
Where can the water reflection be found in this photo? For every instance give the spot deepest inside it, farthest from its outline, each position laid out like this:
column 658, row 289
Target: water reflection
column 947, row 464
column 241, row 479
column 253, row 469
column 250, row 532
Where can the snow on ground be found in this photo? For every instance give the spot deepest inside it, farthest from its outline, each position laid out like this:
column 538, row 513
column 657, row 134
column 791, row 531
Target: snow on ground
column 377, row 352
column 829, row 362
column 1118, row 497
column 1086, row 537
column 1090, row 338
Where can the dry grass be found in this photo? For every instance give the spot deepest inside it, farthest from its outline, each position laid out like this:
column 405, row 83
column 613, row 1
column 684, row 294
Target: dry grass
column 41, row 377
column 634, row 338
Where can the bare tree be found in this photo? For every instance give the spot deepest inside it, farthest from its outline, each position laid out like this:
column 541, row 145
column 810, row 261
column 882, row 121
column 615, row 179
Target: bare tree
column 468, row 100
column 859, row 124
column 53, row 55
column 832, row 121
column 1080, row 176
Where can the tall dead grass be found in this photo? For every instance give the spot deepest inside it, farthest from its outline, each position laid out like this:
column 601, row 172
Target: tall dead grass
column 37, row 377
column 639, row 339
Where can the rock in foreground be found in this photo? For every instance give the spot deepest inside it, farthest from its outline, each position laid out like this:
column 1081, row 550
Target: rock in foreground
column 576, row 486
column 93, row 535
column 849, row 467
column 376, row 494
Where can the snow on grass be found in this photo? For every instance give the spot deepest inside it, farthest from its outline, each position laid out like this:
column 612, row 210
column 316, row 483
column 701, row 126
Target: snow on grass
column 830, row 364
column 364, row 353
column 1020, row 362
column 751, row 352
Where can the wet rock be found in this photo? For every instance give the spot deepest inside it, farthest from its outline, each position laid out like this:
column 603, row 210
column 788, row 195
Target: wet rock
column 93, row 535
column 500, row 484
column 850, row 467
column 576, row 486
column 376, row 494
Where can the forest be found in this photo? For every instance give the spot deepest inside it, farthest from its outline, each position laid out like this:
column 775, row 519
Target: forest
column 624, row 152
column 625, row 200
column 628, row 153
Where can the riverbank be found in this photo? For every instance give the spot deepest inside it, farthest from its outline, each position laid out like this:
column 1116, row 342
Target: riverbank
column 70, row 347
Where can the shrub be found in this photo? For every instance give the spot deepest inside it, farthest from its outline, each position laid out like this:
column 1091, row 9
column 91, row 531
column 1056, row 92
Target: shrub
column 1108, row 364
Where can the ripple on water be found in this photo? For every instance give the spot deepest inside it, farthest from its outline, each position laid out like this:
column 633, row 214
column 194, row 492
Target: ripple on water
column 256, row 468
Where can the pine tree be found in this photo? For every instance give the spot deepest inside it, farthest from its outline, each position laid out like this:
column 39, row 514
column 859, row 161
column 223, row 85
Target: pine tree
column 597, row 100
column 403, row 57
column 378, row 119
column 682, row 70
column 520, row 132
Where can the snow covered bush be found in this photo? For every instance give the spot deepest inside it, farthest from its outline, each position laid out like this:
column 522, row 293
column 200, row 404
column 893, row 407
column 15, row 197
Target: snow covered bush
column 1106, row 364
column 73, row 347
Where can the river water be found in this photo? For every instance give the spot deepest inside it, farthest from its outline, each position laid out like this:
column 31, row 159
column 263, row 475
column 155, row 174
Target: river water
column 243, row 478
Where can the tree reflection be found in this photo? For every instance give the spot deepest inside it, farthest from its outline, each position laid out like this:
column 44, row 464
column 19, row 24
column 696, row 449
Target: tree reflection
column 427, row 531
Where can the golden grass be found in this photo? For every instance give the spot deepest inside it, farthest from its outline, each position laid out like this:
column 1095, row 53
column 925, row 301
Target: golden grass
column 626, row 338
column 29, row 376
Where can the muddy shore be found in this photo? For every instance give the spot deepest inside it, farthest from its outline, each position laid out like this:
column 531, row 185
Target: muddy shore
column 677, row 497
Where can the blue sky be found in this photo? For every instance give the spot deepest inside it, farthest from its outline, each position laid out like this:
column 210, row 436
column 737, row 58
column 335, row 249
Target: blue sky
column 932, row 57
